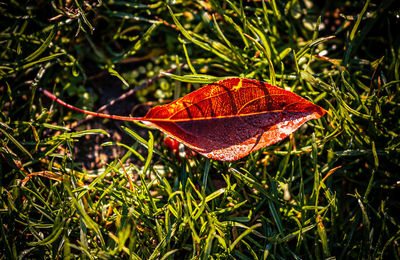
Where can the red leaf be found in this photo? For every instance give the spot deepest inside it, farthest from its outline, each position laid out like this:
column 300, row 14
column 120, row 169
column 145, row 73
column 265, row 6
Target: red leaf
column 229, row 119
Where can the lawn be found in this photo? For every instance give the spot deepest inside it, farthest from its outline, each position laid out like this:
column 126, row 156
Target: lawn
column 74, row 186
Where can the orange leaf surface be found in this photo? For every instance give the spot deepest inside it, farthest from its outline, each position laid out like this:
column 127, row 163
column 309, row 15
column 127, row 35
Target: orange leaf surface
column 229, row 119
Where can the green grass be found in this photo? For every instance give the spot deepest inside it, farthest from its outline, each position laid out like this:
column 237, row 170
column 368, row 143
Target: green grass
column 330, row 190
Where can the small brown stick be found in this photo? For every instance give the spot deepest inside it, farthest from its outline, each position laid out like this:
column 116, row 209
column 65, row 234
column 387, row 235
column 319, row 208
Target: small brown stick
column 46, row 174
column 371, row 84
column 331, row 171
column 127, row 175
